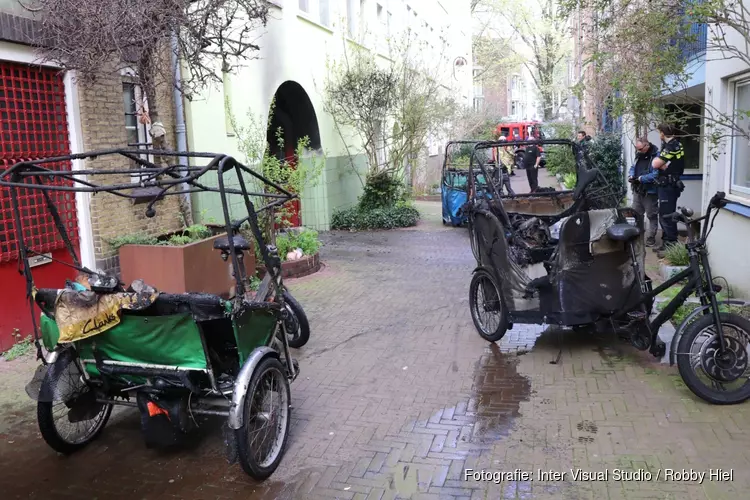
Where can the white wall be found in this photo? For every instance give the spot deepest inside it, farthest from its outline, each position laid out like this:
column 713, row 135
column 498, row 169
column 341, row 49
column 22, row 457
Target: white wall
column 730, row 238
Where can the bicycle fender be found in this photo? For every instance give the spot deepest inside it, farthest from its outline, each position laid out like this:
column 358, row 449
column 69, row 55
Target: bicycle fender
column 482, row 268
column 681, row 328
column 242, row 385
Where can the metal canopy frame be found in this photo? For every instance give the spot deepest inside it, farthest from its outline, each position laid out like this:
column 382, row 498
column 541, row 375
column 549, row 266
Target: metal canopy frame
column 166, row 180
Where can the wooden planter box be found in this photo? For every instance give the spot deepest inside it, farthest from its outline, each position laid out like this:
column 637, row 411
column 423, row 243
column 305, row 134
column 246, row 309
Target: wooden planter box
column 195, row 267
column 296, row 268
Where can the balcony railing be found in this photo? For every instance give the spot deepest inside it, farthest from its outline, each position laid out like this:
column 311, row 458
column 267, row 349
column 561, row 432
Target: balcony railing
column 694, row 40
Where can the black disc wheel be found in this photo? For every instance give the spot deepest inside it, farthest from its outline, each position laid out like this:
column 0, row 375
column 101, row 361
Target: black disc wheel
column 297, row 326
column 487, row 307
column 69, row 425
column 261, row 441
column 719, row 376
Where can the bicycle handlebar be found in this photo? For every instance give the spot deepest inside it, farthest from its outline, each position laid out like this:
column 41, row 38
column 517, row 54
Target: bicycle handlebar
column 685, row 215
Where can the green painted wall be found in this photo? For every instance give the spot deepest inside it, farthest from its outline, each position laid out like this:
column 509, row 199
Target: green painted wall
column 339, row 186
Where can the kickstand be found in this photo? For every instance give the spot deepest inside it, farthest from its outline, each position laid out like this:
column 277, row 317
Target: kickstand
column 559, row 343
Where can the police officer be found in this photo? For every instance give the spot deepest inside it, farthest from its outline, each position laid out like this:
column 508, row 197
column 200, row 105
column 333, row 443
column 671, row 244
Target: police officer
column 670, row 164
column 642, row 177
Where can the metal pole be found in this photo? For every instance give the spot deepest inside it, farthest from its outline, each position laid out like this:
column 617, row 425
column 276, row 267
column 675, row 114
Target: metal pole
column 180, row 127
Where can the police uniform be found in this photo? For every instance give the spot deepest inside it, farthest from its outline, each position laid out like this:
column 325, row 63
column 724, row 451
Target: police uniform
column 670, row 187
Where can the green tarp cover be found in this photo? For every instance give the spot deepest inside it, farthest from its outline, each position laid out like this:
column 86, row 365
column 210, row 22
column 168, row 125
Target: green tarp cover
column 172, row 340
column 253, row 329
column 50, row 332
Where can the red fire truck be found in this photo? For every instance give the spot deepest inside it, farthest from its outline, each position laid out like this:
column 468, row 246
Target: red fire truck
column 521, row 131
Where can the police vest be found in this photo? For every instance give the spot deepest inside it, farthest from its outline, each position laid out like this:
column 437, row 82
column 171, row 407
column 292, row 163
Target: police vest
column 674, row 155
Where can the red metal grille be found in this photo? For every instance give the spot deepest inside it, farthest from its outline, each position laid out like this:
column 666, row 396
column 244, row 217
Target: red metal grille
column 33, row 125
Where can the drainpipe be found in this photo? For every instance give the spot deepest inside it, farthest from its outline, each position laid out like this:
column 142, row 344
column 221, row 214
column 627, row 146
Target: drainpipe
column 180, row 128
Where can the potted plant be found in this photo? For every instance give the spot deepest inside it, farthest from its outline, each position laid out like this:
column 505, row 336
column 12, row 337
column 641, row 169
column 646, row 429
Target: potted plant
column 676, row 259
column 179, row 262
column 298, row 249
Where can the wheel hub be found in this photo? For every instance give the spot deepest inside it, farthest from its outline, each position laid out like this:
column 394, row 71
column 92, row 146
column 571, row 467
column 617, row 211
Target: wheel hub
column 724, row 365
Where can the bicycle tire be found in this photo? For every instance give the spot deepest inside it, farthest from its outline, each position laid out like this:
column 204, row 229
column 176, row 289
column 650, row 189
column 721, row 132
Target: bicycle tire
column 686, row 370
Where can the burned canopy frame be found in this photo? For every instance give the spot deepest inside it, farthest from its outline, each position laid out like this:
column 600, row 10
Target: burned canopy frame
column 574, row 278
column 166, row 180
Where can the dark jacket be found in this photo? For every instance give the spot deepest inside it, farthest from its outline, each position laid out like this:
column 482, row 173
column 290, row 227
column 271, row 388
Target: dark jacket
column 643, row 168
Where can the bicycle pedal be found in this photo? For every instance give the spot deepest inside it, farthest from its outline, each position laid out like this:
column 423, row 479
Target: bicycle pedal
column 637, row 315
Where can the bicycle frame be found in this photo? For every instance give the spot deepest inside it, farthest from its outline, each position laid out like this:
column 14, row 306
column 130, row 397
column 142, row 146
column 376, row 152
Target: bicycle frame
column 700, row 281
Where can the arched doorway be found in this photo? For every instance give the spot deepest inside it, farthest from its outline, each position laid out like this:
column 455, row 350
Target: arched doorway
column 294, row 114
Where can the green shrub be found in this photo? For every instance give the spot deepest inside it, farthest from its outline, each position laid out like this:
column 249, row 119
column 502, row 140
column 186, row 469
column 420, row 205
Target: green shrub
column 605, row 151
column 382, row 190
column 400, row 215
column 560, row 160
column 677, row 255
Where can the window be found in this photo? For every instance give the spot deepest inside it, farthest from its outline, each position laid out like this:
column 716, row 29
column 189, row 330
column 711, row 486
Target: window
column 389, row 23
column 740, row 159
column 381, row 17
column 325, row 13
column 304, row 6
column 134, row 106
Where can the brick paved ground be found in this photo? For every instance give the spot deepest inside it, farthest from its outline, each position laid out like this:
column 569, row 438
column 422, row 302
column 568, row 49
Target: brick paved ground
column 398, row 395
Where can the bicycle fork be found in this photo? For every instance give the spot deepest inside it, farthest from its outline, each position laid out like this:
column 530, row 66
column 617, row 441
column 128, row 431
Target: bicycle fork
column 711, row 292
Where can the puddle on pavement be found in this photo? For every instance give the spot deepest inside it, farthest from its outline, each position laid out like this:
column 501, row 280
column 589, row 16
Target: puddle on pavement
column 499, row 390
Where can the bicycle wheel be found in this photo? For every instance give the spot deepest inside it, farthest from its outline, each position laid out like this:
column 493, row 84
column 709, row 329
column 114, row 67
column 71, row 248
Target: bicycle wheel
column 718, row 377
column 474, row 239
column 487, row 308
column 262, row 438
column 69, row 425
column 297, row 326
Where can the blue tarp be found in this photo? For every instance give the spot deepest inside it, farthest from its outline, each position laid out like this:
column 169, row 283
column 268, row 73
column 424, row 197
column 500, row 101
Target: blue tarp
column 453, row 199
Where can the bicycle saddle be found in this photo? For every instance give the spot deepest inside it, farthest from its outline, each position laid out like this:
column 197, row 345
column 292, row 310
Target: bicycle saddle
column 239, row 242
column 623, row 232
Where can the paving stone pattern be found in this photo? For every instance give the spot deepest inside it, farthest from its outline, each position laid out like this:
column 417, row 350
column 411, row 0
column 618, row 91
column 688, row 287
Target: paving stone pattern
column 398, row 395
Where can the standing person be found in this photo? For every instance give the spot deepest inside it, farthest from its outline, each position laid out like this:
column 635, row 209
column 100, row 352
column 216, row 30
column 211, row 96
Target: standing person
column 670, row 165
column 642, row 179
column 505, row 163
column 583, row 140
column 531, row 158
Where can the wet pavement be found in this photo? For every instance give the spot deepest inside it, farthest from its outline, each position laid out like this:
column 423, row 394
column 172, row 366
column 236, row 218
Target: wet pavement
column 398, row 396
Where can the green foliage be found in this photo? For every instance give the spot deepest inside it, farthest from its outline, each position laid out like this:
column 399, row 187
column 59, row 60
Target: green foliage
column 306, row 240
column 605, row 151
column 677, row 255
column 399, row 215
column 382, row 190
column 191, row 234
column 254, row 283
column 132, row 239
column 569, row 180
column 22, row 347
column 560, row 160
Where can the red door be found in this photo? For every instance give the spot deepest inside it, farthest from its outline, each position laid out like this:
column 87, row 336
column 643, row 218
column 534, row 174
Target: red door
column 33, row 124
column 293, row 208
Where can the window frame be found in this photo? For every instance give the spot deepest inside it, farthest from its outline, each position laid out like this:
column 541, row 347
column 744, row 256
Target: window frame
column 144, row 136
column 739, row 193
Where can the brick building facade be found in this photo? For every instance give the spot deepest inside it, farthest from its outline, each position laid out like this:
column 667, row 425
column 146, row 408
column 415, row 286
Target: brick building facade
column 39, row 99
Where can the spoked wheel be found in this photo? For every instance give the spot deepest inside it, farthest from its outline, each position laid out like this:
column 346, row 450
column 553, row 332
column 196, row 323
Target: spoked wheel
column 297, row 326
column 487, row 307
column 262, row 438
column 715, row 375
column 67, row 426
